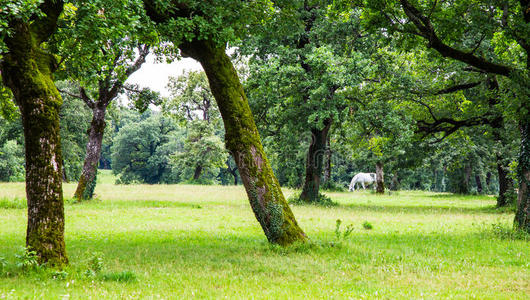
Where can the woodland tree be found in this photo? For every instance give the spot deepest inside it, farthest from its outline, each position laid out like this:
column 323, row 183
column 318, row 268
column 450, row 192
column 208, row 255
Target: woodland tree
column 27, row 70
column 201, row 30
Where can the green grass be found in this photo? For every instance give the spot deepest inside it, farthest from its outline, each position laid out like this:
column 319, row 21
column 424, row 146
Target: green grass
column 184, row 241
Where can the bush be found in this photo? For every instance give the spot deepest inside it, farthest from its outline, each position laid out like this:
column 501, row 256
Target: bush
column 322, row 200
column 367, row 225
column 12, row 162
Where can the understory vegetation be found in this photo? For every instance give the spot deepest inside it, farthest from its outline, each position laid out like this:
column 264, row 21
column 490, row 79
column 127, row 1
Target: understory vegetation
column 164, row 241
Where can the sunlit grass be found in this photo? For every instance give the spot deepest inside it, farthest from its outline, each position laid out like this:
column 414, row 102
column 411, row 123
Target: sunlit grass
column 182, row 241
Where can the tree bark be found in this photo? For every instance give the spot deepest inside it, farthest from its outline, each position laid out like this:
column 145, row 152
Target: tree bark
column 314, row 163
column 93, row 151
column 379, row 178
column 522, row 215
column 28, row 71
column 243, row 141
column 197, row 172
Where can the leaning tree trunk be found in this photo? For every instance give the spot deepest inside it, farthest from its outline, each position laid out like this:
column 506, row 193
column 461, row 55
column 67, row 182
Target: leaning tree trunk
column 243, row 141
column 522, row 215
column 93, row 152
column 379, row 178
column 27, row 70
column 314, row 163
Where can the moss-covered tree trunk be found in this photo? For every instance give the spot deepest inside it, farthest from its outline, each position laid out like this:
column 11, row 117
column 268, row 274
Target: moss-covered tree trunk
column 522, row 215
column 314, row 163
column 27, row 70
column 93, row 151
column 243, row 141
column 379, row 178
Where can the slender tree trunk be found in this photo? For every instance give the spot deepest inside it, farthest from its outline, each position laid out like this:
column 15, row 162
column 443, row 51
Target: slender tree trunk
column 488, row 180
column 234, row 173
column 65, row 178
column 314, row 163
column 327, row 169
column 479, row 184
column 464, row 185
column 197, row 172
column 27, row 70
column 243, row 141
column 505, row 184
column 93, row 151
column 395, row 181
column 379, row 178
column 522, row 215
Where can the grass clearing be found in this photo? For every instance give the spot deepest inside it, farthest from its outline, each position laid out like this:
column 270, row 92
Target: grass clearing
column 184, row 241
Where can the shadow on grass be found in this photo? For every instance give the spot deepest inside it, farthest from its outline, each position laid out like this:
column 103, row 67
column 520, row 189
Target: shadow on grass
column 457, row 196
column 433, row 209
column 138, row 203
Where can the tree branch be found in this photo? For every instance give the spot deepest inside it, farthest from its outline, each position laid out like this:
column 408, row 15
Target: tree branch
column 43, row 27
column 458, row 87
column 143, row 51
column 425, row 27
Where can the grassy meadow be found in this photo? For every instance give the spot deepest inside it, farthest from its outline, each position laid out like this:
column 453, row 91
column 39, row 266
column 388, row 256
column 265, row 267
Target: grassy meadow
column 186, row 241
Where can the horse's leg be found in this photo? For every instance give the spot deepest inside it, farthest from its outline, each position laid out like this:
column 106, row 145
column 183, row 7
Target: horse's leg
column 362, row 182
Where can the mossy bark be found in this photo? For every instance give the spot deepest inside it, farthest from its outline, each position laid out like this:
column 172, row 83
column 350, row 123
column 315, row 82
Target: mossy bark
column 27, row 70
column 379, row 178
column 314, row 164
column 93, row 150
column 243, row 141
column 522, row 215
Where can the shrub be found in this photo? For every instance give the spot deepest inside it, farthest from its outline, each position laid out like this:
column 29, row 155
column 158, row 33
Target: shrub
column 367, row 225
column 123, row 276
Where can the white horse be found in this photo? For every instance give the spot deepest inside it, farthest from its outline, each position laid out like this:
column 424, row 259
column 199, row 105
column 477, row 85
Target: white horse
column 362, row 178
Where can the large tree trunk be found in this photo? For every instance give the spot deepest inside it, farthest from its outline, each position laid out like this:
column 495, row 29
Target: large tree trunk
column 243, row 141
column 27, row 70
column 379, row 178
column 522, row 215
column 93, row 152
column 314, row 163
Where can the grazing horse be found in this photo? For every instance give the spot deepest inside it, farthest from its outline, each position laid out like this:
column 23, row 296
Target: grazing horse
column 362, row 178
